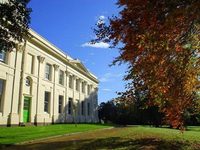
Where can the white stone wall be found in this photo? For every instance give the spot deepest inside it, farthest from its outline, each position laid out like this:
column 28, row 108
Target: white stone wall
column 36, row 53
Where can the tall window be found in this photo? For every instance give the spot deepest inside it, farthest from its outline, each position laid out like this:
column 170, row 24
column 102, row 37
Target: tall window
column 88, row 109
column 83, row 87
column 48, row 72
column 77, row 85
column 70, row 106
column 60, row 104
column 61, row 77
column 2, row 82
column 30, row 63
column 82, row 108
column 46, row 101
column 71, row 82
column 2, row 56
column 88, row 89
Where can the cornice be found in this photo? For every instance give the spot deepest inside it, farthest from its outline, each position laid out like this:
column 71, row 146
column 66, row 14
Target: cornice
column 35, row 38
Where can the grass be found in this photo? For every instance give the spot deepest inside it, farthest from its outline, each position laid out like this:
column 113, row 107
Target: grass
column 120, row 138
column 12, row 135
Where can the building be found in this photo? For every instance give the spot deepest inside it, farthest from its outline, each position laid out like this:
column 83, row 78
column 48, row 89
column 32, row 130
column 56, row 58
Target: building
column 39, row 84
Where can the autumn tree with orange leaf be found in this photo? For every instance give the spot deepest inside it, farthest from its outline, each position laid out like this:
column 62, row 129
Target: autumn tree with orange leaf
column 161, row 44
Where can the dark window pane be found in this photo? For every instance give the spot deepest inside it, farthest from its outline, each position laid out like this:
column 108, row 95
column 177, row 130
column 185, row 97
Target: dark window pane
column 82, row 108
column 2, row 56
column 46, row 101
column 70, row 106
column 88, row 108
column 60, row 104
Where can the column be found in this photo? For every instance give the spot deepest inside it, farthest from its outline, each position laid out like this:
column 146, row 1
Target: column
column 66, row 84
column 91, row 103
column 22, row 84
column 7, row 99
column 39, row 99
column 54, row 114
column 85, row 97
column 78, row 104
column 96, row 105
column 16, row 114
column 74, row 98
column 86, row 101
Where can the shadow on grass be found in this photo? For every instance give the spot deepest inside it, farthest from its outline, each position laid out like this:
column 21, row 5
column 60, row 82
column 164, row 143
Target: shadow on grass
column 105, row 143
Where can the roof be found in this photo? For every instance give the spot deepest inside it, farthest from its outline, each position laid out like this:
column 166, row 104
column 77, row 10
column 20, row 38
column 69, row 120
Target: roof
column 76, row 63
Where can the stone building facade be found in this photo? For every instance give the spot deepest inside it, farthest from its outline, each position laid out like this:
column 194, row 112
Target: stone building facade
column 39, row 84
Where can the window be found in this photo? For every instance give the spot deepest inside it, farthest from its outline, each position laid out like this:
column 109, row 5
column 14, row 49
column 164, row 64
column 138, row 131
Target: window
column 88, row 108
column 30, row 63
column 83, row 87
column 70, row 106
column 82, row 108
column 60, row 104
column 48, row 72
column 77, row 85
column 88, row 89
column 71, row 82
column 2, row 56
column 28, row 82
column 61, row 77
column 46, row 101
column 2, row 82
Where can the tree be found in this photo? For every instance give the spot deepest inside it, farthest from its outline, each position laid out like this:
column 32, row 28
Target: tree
column 107, row 111
column 14, row 23
column 120, row 112
column 160, row 43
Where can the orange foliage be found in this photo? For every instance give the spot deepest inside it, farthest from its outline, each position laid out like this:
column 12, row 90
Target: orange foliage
column 154, row 34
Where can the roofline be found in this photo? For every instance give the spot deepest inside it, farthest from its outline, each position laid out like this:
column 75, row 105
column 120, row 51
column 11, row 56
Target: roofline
column 66, row 58
column 52, row 46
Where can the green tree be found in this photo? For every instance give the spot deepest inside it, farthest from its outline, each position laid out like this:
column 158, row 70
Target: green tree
column 118, row 111
column 107, row 111
column 14, row 23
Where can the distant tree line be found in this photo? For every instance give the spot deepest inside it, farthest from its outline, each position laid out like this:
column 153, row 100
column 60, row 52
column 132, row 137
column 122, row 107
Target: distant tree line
column 118, row 112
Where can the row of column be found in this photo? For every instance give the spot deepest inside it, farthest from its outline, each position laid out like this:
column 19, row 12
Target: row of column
column 75, row 95
column 17, row 100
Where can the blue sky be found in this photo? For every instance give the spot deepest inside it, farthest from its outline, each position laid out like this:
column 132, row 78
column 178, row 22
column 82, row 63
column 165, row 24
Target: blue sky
column 68, row 25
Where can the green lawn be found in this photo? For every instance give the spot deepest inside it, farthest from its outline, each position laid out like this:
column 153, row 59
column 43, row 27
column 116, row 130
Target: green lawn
column 192, row 133
column 120, row 138
column 11, row 135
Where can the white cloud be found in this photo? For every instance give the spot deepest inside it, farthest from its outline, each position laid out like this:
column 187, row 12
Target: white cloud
column 96, row 45
column 106, row 90
column 102, row 17
column 100, row 20
column 103, row 79
column 109, row 77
